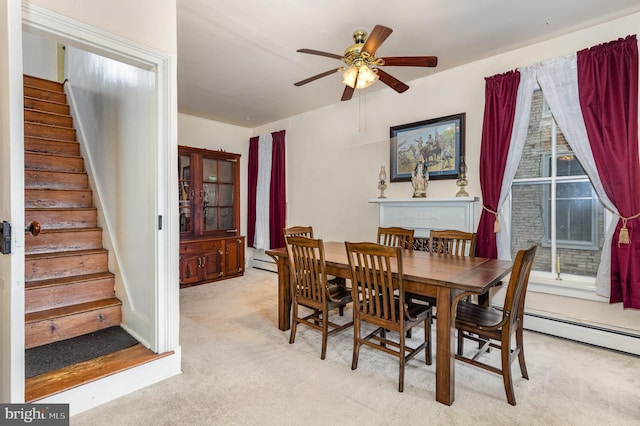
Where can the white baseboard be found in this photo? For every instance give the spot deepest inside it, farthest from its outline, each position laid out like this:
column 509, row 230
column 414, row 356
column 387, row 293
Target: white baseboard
column 585, row 333
column 260, row 260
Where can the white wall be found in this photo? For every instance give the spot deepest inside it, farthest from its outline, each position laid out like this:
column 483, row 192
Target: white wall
column 149, row 22
column 39, row 56
column 332, row 167
column 115, row 103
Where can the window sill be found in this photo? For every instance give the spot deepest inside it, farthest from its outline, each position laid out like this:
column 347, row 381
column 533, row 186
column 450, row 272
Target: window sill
column 565, row 287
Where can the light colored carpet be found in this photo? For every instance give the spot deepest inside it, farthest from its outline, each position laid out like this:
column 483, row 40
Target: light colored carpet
column 239, row 369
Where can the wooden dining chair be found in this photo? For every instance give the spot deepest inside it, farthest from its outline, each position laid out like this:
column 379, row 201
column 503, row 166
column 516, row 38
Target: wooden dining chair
column 495, row 328
column 309, row 288
column 395, row 236
column 380, row 300
column 458, row 243
column 298, row 231
column 307, row 231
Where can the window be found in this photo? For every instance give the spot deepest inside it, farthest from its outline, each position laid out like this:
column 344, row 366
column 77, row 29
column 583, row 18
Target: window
column 553, row 203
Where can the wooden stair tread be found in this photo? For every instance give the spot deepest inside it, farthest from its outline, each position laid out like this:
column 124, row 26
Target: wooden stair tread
column 43, row 100
column 71, row 310
column 72, row 376
column 59, row 92
column 61, row 230
column 43, row 138
column 35, row 256
column 45, row 154
column 39, row 111
column 59, row 209
column 29, row 285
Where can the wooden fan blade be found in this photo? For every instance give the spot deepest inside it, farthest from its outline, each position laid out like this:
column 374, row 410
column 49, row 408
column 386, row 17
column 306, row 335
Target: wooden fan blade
column 348, row 93
column 411, row 61
column 320, row 53
column 315, row 77
column 392, row 82
column 375, row 39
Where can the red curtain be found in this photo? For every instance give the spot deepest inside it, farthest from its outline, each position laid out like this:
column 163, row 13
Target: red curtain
column 252, row 182
column 278, row 199
column 608, row 90
column 501, row 92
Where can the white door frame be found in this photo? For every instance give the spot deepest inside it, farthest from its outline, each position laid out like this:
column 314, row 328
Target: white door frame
column 37, row 20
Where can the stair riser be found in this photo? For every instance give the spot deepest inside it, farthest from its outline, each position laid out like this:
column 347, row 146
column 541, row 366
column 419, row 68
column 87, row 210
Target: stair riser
column 48, row 146
column 40, row 105
column 55, row 180
column 51, row 132
column 52, row 219
column 53, row 163
column 48, row 118
column 58, row 296
column 65, row 266
column 63, row 241
column 56, row 198
column 53, row 86
column 34, row 92
column 48, row 331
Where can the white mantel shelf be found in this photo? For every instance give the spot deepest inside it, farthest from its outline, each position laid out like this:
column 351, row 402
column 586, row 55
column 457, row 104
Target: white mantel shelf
column 427, row 200
column 424, row 214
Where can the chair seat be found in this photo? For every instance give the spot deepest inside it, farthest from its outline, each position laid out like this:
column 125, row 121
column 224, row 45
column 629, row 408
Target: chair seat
column 418, row 312
column 339, row 294
column 472, row 314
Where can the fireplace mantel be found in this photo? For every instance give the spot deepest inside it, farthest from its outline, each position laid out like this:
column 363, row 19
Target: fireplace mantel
column 424, row 214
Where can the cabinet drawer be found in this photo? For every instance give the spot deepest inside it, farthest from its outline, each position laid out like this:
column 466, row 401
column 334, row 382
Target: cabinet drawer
column 196, row 246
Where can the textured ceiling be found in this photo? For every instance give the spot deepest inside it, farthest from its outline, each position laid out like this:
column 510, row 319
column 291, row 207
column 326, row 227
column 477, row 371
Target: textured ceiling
column 237, row 60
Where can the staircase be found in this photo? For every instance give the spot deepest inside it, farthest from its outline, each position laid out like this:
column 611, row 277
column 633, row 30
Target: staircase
column 69, row 290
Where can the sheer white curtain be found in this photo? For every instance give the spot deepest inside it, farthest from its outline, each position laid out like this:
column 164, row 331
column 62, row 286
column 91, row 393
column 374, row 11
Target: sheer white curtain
column 558, row 79
column 516, row 145
column 265, row 148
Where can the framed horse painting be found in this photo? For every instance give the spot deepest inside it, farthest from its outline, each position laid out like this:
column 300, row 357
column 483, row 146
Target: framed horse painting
column 439, row 141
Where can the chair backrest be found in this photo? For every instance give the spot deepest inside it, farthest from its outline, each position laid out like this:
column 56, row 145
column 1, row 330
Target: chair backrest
column 453, row 242
column 396, row 237
column 307, row 270
column 298, row 231
column 373, row 284
column 517, row 289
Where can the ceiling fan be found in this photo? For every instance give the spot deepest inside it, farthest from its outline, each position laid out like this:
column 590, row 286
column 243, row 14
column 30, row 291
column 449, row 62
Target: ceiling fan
column 361, row 56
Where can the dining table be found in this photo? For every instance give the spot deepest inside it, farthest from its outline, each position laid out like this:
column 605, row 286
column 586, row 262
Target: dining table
column 440, row 276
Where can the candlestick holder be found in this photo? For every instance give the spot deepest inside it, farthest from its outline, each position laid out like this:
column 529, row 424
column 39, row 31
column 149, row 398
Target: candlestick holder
column 382, row 181
column 462, row 179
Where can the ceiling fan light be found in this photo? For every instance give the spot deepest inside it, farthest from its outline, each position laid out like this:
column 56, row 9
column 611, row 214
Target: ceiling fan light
column 366, row 77
column 350, row 76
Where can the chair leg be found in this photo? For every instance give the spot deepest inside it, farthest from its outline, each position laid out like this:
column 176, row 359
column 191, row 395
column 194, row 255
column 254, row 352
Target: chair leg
column 341, row 310
column 520, row 346
column 402, row 362
column 325, row 327
column 506, row 373
column 356, row 343
column 294, row 323
column 460, row 341
column 427, row 339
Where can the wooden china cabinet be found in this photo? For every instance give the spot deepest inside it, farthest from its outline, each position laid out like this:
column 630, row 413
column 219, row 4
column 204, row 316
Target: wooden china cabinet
column 211, row 247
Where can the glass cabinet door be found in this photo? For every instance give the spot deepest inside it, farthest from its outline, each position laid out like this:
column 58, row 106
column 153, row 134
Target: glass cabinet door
column 185, row 192
column 217, row 195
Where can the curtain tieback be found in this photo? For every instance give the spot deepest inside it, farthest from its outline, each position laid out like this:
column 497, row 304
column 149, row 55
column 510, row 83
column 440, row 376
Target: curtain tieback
column 496, row 224
column 623, row 238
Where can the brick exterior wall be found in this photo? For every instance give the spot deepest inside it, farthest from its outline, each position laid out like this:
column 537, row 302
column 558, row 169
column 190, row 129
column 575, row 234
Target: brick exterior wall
column 528, row 202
